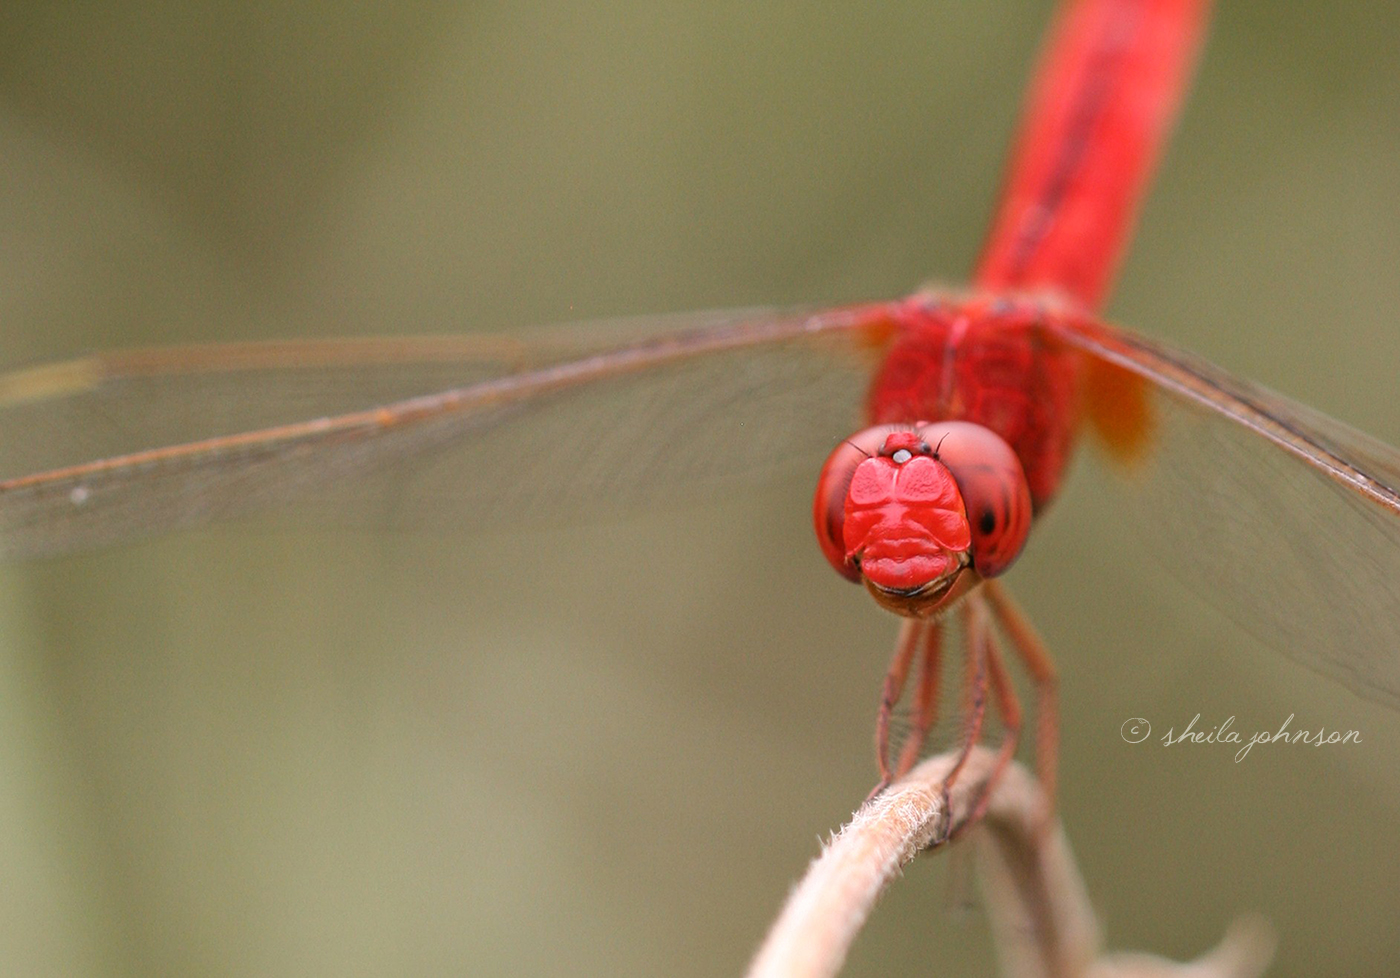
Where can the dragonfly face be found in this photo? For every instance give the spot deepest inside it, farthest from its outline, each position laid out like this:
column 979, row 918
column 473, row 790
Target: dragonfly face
column 920, row 513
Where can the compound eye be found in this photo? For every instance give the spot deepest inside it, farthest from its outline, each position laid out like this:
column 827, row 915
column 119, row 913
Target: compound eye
column 999, row 529
column 829, row 502
column 987, row 524
column 994, row 490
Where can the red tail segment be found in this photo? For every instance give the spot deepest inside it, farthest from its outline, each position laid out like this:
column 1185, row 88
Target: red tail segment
column 1106, row 92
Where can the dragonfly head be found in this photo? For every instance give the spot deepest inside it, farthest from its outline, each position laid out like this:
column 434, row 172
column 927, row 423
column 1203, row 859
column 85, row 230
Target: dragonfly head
column 920, row 513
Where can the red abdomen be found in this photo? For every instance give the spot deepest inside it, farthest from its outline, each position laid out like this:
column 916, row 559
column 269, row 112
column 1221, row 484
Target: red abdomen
column 991, row 362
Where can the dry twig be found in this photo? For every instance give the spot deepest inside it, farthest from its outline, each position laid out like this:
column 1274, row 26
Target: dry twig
column 1039, row 909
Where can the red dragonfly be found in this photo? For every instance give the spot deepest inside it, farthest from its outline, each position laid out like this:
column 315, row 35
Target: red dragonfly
column 976, row 404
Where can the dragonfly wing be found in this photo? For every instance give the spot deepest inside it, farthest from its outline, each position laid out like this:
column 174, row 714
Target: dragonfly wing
column 1286, row 519
column 406, row 431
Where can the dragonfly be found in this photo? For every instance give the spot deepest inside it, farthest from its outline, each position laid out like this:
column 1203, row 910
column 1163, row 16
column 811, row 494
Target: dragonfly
column 969, row 406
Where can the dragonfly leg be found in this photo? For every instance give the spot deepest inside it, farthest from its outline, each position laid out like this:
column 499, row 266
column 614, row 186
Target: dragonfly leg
column 1009, row 709
column 1041, row 666
column 975, row 693
column 925, row 697
column 909, row 636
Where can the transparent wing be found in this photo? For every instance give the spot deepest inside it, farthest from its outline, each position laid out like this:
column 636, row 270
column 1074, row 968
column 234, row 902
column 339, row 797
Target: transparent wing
column 1287, row 520
column 99, row 450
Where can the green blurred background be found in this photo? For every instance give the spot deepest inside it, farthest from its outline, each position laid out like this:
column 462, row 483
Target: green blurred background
column 608, row 749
